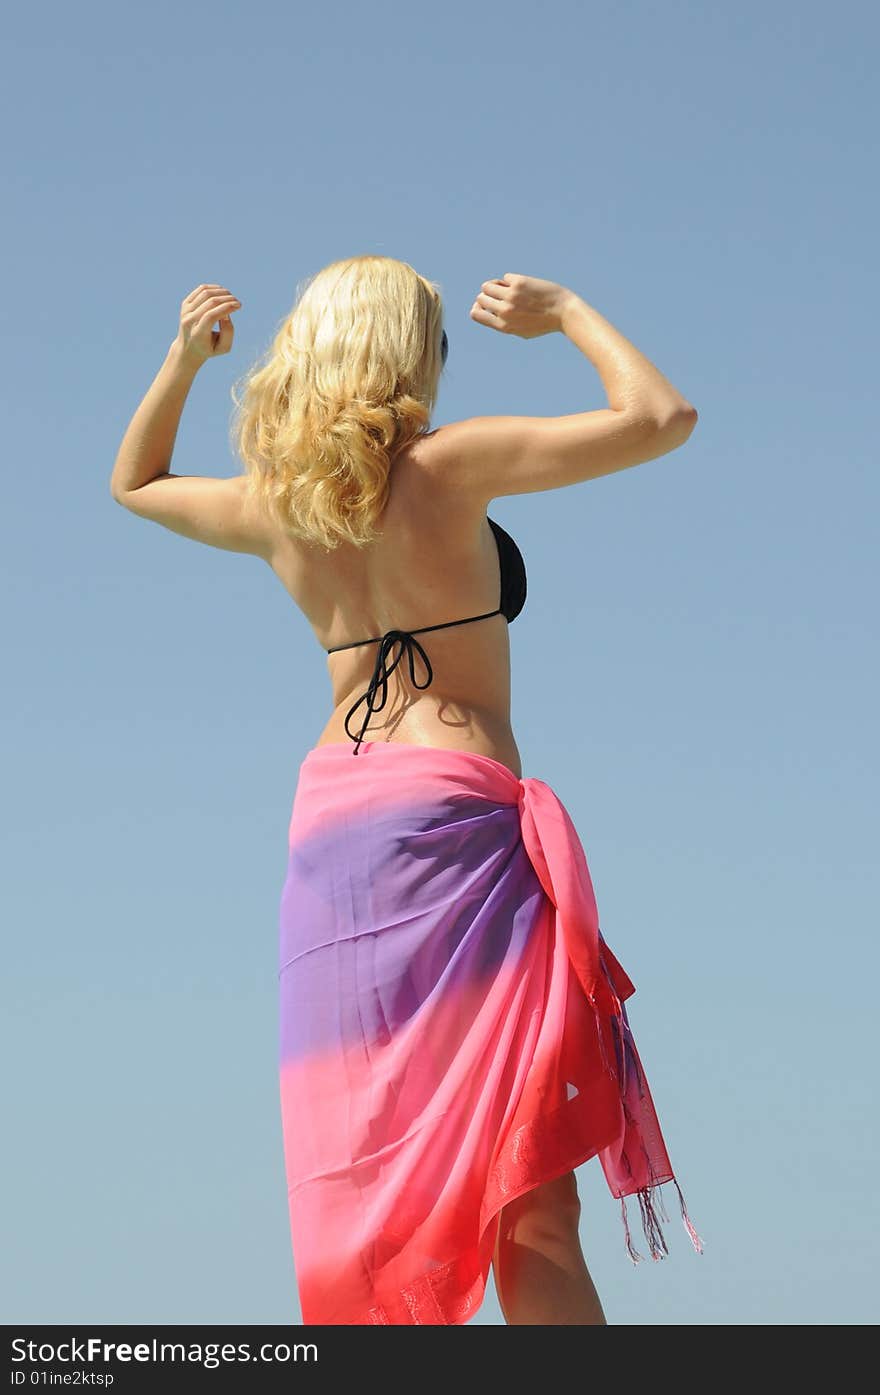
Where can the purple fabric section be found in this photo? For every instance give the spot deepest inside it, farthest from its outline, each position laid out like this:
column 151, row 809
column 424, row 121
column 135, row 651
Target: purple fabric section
column 384, row 907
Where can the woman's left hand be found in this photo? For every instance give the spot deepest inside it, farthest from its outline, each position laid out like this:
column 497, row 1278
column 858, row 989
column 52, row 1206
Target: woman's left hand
column 197, row 339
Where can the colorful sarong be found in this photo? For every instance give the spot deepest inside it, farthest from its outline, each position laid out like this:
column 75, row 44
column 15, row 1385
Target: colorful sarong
column 452, row 1029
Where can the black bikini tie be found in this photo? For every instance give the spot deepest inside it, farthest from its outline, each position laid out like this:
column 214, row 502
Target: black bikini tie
column 381, row 674
column 382, row 671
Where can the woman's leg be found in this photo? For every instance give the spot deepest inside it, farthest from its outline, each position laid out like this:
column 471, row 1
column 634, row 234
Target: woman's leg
column 541, row 1276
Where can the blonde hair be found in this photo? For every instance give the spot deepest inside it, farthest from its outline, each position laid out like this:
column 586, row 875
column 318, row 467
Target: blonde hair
column 351, row 377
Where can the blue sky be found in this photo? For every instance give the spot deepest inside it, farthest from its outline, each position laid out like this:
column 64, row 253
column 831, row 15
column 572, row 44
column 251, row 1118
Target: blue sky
column 695, row 672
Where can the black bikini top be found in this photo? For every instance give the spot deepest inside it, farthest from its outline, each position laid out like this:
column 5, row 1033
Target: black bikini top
column 513, row 598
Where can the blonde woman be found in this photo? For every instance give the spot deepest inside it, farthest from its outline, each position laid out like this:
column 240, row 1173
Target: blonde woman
column 453, row 1035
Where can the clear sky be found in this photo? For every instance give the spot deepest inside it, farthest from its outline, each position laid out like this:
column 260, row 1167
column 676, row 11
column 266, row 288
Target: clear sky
column 695, row 672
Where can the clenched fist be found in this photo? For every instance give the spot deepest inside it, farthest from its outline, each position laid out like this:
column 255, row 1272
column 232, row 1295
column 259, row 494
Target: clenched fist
column 520, row 305
column 197, row 340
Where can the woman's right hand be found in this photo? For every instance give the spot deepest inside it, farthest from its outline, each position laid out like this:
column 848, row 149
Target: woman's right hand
column 520, row 305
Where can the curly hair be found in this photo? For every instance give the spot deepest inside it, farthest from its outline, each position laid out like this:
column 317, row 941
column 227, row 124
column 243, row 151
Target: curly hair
column 351, row 377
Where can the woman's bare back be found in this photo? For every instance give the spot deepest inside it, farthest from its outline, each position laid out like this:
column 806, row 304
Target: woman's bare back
column 436, row 561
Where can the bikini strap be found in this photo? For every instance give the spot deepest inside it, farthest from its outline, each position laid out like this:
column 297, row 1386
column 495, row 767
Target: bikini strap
column 377, row 639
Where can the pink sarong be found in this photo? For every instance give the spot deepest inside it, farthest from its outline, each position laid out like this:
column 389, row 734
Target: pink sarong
column 452, row 1029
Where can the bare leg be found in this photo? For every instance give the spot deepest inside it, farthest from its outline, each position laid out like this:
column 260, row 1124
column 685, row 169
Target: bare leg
column 541, row 1276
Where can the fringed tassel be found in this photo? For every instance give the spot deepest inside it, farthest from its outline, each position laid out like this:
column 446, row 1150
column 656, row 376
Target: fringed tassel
column 661, row 1205
column 617, row 1030
column 630, row 1248
column 627, row 1059
column 651, row 1206
column 688, row 1225
column 601, row 1035
column 651, row 1224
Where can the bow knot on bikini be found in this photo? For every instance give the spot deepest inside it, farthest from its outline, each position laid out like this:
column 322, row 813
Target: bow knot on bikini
column 381, row 673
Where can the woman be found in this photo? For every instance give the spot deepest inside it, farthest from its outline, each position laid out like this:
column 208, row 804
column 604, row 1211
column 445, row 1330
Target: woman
column 453, row 1036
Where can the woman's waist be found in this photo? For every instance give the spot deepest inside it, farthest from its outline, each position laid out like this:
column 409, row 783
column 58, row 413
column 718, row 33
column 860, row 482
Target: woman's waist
column 433, row 720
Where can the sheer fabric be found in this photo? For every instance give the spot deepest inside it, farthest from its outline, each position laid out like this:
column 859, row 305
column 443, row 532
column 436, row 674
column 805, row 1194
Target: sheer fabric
column 452, row 1029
